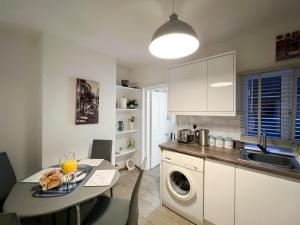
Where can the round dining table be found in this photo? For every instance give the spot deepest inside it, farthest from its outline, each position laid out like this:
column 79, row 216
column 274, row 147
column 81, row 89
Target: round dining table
column 21, row 201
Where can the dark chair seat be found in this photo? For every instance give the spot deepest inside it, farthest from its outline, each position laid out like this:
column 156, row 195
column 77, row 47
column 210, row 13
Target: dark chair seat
column 7, row 178
column 101, row 149
column 9, row 219
column 109, row 211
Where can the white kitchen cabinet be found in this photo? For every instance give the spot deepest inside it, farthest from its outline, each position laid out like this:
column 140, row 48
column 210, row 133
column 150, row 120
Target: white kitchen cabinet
column 219, row 188
column 187, row 89
column 263, row 199
column 221, row 84
column 192, row 87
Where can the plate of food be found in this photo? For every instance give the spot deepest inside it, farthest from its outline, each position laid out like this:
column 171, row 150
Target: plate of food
column 54, row 183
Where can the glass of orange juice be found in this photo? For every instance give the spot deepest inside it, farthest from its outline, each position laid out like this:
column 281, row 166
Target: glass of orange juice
column 69, row 168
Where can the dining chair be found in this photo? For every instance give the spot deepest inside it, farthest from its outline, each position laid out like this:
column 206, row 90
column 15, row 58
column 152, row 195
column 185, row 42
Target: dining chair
column 117, row 211
column 101, row 149
column 9, row 219
column 7, row 178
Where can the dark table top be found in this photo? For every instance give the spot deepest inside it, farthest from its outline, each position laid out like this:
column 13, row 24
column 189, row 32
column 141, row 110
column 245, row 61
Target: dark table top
column 229, row 156
column 20, row 198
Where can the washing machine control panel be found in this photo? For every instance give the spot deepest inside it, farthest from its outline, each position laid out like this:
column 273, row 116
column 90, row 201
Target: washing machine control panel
column 187, row 161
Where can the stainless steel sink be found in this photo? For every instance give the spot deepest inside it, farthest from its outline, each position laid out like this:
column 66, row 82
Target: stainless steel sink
column 287, row 162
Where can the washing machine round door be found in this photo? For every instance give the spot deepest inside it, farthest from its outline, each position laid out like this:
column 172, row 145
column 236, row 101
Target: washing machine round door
column 179, row 184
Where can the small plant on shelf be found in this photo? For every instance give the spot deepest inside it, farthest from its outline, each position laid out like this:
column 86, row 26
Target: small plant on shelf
column 132, row 104
column 130, row 143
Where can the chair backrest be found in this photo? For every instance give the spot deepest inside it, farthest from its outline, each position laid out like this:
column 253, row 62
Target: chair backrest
column 101, row 149
column 9, row 219
column 7, row 178
column 133, row 215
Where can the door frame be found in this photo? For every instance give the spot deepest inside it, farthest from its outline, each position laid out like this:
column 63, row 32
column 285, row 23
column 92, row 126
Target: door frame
column 146, row 122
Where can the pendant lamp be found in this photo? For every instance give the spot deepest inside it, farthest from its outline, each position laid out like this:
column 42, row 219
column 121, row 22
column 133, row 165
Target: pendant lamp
column 174, row 39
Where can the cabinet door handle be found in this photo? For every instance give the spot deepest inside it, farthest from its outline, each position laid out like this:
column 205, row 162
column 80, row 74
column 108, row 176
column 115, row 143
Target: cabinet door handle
column 168, row 158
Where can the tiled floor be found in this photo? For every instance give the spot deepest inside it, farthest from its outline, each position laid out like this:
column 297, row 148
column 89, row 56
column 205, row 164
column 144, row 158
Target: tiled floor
column 151, row 213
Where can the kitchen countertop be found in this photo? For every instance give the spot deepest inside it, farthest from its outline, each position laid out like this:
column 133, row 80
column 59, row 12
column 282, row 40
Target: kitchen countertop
column 228, row 156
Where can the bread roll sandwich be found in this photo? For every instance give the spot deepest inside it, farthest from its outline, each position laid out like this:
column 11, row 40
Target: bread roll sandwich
column 51, row 179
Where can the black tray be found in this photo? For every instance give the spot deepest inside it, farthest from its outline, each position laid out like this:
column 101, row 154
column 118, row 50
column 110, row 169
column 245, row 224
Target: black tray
column 55, row 192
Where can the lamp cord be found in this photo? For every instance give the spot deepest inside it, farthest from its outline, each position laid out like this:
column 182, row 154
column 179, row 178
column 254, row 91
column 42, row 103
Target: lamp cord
column 173, row 7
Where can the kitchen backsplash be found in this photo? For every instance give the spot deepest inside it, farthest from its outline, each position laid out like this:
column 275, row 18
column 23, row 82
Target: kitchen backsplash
column 217, row 126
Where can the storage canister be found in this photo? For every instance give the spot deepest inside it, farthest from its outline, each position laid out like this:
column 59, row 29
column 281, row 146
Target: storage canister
column 219, row 142
column 228, row 143
column 212, row 140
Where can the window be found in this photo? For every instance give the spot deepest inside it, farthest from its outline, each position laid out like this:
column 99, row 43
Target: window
column 297, row 122
column 268, row 104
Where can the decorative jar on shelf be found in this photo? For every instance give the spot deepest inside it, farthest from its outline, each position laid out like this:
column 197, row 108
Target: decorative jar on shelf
column 123, row 103
column 131, row 123
column 120, row 126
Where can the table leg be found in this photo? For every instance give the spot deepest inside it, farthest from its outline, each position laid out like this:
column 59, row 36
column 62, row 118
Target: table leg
column 111, row 192
column 78, row 222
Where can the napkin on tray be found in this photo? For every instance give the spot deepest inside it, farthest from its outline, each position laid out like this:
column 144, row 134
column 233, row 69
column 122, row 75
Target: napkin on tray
column 35, row 178
column 101, row 178
column 91, row 162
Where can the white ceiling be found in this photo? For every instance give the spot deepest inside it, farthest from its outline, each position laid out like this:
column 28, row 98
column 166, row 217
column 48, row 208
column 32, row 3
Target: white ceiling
column 123, row 28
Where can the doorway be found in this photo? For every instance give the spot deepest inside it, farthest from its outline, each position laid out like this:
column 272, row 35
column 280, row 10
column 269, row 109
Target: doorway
column 159, row 124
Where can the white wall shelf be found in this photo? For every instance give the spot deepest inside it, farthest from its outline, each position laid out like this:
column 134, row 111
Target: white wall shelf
column 120, row 153
column 122, row 137
column 126, row 131
column 126, row 88
column 128, row 110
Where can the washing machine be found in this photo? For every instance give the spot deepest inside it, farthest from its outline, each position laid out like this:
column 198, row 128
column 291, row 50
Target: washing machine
column 182, row 185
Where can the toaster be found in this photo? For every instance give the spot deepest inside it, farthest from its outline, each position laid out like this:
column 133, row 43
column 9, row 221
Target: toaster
column 185, row 136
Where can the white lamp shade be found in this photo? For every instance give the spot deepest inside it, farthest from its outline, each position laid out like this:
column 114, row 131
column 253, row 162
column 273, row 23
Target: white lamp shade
column 174, row 39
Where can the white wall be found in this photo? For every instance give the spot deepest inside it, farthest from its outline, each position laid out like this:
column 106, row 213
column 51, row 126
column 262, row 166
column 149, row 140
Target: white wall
column 123, row 73
column 20, row 100
column 63, row 62
column 217, row 126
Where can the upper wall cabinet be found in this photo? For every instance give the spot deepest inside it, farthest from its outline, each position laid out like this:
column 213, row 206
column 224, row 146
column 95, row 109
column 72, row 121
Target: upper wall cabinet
column 188, row 88
column 204, row 87
column 221, row 84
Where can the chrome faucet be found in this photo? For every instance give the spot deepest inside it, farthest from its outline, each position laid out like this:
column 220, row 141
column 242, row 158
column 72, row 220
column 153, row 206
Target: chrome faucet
column 264, row 140
column 263, row 143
